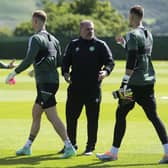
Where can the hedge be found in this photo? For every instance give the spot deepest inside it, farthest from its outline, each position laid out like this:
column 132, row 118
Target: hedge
column 16, row 47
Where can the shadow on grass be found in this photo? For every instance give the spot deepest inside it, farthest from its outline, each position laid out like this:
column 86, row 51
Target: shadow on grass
column 28, row 160
column 35, row 160
column 101, row 164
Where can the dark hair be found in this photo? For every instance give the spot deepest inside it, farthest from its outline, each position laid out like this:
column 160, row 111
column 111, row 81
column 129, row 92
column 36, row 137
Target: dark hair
column 40, row 14
column 137, row 10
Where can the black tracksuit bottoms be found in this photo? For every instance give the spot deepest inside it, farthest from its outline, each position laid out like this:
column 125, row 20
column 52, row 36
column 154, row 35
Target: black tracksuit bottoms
column 144, row 96
column 75, row 101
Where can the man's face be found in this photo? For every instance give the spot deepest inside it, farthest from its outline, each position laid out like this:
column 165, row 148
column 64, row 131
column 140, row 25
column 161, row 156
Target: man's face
column 87, row 31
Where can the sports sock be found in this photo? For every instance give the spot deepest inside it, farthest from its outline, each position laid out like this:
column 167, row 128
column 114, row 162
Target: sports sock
column 67, row 143
column 30, row 141
column 114, row 150
column 165, row 147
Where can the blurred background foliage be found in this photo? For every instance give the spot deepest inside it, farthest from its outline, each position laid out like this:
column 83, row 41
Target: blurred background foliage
column 64, row 18
column 110, row 16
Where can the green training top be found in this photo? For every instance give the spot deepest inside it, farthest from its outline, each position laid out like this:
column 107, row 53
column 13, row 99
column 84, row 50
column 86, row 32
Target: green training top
column 140, row 41
column 44, row 53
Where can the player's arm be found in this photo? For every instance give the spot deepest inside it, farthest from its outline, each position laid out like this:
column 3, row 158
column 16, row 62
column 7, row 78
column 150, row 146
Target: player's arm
column 107, row 59
column 131, row 62
column 67, row 62
column 108, row 62
column 30, row 56
column 132, row 54
column 59, row 54
column 28, row 60
column 67, row 59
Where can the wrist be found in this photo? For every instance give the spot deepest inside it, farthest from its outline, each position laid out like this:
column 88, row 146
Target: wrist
column 13, row 73
column 125, row 79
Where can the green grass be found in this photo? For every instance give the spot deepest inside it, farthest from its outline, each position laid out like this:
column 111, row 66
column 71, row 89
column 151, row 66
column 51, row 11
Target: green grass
column 140, row 148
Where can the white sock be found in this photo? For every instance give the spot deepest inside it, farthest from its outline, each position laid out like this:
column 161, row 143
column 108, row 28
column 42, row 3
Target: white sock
column 67, row 143
column 165, row 147
column 28, row 143
column 114, row 150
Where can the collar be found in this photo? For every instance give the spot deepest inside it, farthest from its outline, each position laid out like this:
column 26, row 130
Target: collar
column 42, row 31
column 85, row 40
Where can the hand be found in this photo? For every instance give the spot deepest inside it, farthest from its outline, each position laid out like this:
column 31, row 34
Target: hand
column 120, row 40
column 11, row 64
column 102, row 75
column 10, row 77
column 67, row 78
column 31, row 73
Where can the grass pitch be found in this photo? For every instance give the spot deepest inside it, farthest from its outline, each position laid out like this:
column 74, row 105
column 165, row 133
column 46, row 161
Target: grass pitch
column 140, row 148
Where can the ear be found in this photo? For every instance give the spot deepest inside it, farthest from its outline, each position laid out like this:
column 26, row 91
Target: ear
column 135, row 18
column 36, row 20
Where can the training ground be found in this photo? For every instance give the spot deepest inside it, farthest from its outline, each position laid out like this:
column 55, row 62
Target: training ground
column 141, row 147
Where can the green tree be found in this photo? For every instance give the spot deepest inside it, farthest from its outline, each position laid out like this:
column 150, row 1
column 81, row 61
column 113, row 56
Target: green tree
column 64, row 18
column 24, row 29
column 84, row 7
column 5, row 32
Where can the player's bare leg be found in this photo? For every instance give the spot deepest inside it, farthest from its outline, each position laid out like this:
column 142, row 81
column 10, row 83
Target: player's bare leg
column 53, row 117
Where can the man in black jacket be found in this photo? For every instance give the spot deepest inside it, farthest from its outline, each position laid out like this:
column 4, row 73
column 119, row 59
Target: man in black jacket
column 86, row 62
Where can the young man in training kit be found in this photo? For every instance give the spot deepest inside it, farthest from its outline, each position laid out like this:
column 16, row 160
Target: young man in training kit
column 140, row 78
column 45, row 55
column 86, row 62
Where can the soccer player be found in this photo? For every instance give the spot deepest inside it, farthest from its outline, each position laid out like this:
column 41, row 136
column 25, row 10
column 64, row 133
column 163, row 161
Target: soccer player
column 86, row 62
column 140, row 77
column 45, row 55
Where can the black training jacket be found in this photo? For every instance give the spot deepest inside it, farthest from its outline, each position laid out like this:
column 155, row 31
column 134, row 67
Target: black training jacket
column 84, row 59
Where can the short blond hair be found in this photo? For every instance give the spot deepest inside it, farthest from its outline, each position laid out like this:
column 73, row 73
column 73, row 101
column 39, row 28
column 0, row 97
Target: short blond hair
column 40, row 14
column 137, row 10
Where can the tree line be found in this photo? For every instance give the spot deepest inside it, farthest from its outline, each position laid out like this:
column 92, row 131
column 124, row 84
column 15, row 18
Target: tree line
column 64, row 18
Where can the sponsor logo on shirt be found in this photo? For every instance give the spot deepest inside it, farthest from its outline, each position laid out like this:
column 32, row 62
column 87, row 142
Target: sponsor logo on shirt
column 77, row 49
column 91, row 48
